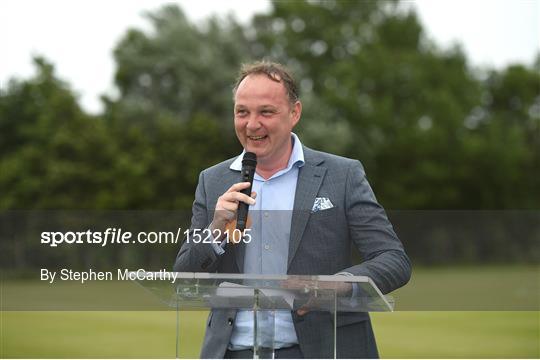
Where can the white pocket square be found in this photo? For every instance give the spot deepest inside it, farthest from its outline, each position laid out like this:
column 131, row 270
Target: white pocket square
column 321, row 203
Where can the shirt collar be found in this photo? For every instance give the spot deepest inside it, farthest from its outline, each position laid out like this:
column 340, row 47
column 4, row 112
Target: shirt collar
column 297, row 156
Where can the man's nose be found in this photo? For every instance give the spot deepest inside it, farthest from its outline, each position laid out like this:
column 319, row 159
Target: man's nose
column 253, row 123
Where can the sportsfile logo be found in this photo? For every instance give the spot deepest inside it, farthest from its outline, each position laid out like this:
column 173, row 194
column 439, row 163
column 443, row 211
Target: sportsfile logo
column 111, row 236
column 119, row 236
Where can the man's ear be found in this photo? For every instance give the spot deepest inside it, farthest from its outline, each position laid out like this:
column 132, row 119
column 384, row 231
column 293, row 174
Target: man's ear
column 296, row 112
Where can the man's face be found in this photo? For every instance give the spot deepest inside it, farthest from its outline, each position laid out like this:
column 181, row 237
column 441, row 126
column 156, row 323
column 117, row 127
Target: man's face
column 264, row 119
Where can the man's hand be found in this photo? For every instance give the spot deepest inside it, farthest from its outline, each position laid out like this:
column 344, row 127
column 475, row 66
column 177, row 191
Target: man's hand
column 227, row 205
column 341, row 288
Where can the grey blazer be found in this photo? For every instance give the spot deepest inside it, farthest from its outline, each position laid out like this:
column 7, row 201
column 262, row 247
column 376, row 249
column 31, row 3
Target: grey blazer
column 320, row 244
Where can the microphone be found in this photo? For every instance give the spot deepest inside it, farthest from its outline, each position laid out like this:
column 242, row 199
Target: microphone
column 249, row 163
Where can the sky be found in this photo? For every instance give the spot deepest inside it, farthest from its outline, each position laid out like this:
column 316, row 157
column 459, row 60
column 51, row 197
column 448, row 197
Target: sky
column 78, row 36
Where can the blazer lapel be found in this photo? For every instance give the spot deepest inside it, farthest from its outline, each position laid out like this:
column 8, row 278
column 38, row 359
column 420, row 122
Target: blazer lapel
column 310, row 178
column 230, row 177
column 240, row 248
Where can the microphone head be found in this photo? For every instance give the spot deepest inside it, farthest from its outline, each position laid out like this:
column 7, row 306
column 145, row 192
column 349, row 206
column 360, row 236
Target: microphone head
column 249, row 159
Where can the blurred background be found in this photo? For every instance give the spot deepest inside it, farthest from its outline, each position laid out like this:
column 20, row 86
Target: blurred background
column 439, row 100
column 433, row 129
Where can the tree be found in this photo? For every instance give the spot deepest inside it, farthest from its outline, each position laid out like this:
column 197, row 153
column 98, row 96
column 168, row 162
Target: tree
column 432, row 132
column 174, row 114
column 376, row 89
column 52, row 154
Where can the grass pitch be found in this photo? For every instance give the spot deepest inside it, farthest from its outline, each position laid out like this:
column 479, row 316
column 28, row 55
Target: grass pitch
column 402, row 334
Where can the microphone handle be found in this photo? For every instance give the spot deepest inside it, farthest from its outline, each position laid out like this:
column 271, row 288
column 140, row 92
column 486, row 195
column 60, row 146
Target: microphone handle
column 243, row 208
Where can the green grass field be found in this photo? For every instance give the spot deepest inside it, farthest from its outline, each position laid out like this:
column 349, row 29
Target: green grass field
column 403, row 334
column 151, row 334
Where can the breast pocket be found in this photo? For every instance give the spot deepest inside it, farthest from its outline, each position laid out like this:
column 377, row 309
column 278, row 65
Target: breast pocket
column 325, row 213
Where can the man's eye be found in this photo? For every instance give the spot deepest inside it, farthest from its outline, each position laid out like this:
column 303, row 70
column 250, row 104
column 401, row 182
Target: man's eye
column 267, row 112
column 241, row 112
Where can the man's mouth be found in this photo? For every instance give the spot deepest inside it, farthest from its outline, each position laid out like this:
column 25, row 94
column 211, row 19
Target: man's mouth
column 257, row 138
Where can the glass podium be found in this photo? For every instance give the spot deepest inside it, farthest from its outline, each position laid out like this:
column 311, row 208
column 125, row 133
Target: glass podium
column 264, row 295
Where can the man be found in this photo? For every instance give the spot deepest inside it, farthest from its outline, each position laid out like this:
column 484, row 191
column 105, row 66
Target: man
column 322, row 204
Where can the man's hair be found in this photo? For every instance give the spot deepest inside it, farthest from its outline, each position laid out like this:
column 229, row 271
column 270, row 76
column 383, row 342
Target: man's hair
column 274, row 71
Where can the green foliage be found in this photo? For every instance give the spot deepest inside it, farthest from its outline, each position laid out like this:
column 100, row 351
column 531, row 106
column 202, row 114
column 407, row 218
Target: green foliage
column 179, row 70
column 173, row 117
column 417, row 117
column 432, row 132
column 52, row 154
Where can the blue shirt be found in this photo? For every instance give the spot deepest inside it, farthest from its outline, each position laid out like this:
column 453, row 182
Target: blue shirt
column 268, row 251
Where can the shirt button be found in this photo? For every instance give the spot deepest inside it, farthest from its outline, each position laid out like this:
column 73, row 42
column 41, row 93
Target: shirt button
column 267, row 247
column 266, row 214
column 230, row 321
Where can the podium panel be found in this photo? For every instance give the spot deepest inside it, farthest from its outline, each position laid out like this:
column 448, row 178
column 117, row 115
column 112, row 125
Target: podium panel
column 264, row 295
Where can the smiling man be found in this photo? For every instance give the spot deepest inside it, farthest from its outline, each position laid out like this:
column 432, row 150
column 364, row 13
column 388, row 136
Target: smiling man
column 264, row 116
column 320, row 206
